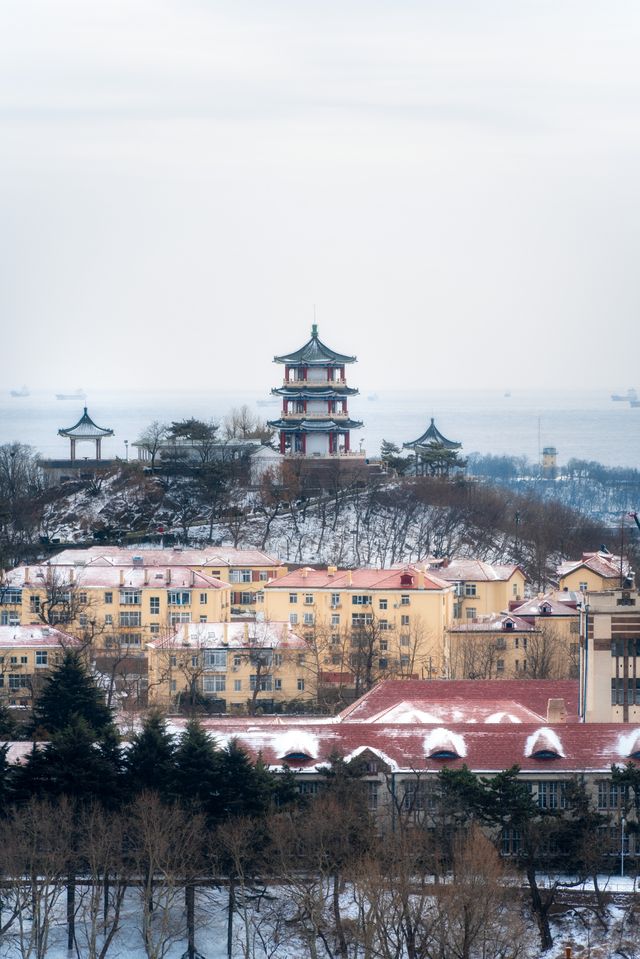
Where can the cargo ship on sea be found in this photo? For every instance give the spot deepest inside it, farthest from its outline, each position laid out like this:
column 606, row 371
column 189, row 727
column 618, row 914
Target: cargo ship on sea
column 78, row 395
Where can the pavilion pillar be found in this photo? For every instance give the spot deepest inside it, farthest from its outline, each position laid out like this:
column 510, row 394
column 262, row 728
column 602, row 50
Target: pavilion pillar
column 73, row 449
column 282, row 441
column 304, row 442
column 346, row 442
column 98, row 448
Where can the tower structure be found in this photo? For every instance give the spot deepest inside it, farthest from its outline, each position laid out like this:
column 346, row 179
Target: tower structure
column 315, row 418
column 434, row 453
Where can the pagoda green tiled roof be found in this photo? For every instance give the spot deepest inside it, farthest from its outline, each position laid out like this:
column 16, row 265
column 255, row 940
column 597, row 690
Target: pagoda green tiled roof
column 309, row 392
column 302, row 425
column 314, row 353
column 432, row 437
column 85, row 428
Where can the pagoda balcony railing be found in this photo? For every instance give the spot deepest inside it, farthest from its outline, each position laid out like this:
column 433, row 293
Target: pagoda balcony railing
column 350, row 454
column 324, row 383
column 315, row 416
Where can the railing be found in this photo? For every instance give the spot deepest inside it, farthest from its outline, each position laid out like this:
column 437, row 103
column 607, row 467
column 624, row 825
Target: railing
column 290, row 415
column 336, row 383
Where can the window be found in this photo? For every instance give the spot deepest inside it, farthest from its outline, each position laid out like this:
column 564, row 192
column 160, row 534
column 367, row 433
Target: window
column 300, row 685
column 130, row 597
column 610, row 795
column 372, row 795
column 500, row 665
column 214, row 684
column 174, row 685
column 501, row 642
column 203, row 599
column 154, row 628
column 24, row 660
column 383, row 663
column 335, row 599
column 361, row 599
column 108, row 598
column 470, row 589
column 203, row 619
column 82, row 619
column 264, row 683
column 618, row 692
column 237, row 661
column 404, row 620
column 108, row 619
column 179, row 597
column 34, row 604
column 583, row 587
column 130, row 619
column 511, row 842
column 131, row 639
column 42, row 657
column 263, row 576
column 17, row 682
column 237, row 685
column 277, row 659
column 308, row 789
column 247, row 599
column 240, row 576
column 309, row 619
column 472, row 612
column 194, row 662
column 520, row 642
column 277, row 684
column 335, row 619
column 215, row 659
column 10, row 619
column 335, row 639
column 82, row 598
column 404, row 639
column 293, row 619
column 154, row 605
column 174, row 660
column 177, row 618
column 550, row 794
column 383, row 604
column 308, row 599
column 417, row 796
column 574, row 627
column 361, row 619
column 384, row 645
column 383, row 625
column 11, row 596
column 404, row 662
column 514, row 589
column 293, row 597
column 405, row 599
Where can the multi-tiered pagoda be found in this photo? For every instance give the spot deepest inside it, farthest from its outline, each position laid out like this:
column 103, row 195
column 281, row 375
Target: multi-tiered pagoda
column 315, row 418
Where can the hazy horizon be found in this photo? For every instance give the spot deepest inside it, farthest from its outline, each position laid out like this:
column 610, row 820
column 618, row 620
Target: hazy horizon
column 451, row 189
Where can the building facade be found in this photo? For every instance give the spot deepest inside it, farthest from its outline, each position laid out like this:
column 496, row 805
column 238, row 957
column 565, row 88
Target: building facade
column 480, row 588
column 27, row 653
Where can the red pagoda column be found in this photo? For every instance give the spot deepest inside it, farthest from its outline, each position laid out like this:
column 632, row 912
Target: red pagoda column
column 282, row 441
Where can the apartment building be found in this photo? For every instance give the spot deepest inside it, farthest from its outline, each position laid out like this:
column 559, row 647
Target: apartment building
column 245, row 570
column 27, row 653
column 248, row 666
column 391, row 620
column 610, row 657
column 480, row 588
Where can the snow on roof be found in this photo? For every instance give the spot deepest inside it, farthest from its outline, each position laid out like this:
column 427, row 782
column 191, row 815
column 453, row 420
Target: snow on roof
column 35, row 636
column 546, row 605
column 387, row 760
column 461, row 569
column 296, row 744
column 133, row 577
column 222, row 556
column 493, row 622
column 543, row 740
column 502, row 717
column 235, row 635
column 604, row 564
column 404, row 578
column 441, row 740
column 629, row 743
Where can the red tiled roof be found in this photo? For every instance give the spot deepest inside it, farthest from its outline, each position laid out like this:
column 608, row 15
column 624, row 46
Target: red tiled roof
column 603, row 564
column 531, row 694
column 308, row 578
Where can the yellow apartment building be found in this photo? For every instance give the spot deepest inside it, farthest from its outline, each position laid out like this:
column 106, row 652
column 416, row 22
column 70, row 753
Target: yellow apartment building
column 111, row 606
column 245, row 570
column 480, row 588
column 594, row 573
column 610, row 660
column 376, row 621
column 240, row 667
column 27, row 653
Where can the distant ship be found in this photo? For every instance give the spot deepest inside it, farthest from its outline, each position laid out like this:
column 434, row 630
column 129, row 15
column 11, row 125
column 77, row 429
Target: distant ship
column 630, row 396
column 22, row 392
column 267, row 402
column 78, row 395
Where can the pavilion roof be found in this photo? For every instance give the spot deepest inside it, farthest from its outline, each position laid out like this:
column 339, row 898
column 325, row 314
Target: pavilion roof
column 85, row 428
column 314, row 426
column 310, row 392
column 314, row 353
column 433, row 436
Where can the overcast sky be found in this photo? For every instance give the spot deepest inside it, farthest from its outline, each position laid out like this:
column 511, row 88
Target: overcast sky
column 453, row 185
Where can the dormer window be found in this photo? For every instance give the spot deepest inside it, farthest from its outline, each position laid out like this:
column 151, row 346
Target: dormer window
column 444, row 744
column 406, row 579
column 545, row 609
column 508, row 624
column 297, row 757
column 544, row 744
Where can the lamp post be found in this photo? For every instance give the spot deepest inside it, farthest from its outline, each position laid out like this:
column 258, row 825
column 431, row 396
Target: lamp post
column 623, row 823
column 126, row 450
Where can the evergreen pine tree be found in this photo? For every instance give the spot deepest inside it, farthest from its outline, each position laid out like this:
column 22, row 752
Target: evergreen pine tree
column 197, row 770
column 246, row 789
column 150, row 760
column 8, row 725
column 70, row 691
column 79, row 768
column 6, row 777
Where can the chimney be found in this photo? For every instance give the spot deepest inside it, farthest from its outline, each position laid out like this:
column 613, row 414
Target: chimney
column 146, row 577
column 72, row 575
column 26, row 576
column 445, row 562
column 167, row 575
column 304, row 572
column 556, row 711
column 349, row 577
column 332, row 570
column 122, row 577
column 421, row 579
column 193, row 577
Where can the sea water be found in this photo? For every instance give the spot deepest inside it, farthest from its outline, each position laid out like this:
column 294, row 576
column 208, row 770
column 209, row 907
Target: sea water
column 580, row 424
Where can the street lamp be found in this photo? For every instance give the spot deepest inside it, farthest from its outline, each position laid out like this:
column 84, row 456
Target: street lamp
column 126, row 450
column 623, row 823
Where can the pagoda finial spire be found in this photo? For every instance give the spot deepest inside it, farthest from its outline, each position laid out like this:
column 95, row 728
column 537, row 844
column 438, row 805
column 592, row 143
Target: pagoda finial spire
column 314, row 330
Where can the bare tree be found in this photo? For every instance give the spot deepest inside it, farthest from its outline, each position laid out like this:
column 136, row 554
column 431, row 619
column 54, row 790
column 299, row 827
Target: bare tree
column 152, row 438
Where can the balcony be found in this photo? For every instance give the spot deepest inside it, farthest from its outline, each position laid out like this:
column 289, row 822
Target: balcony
column 342, row 415
column 335, row 384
